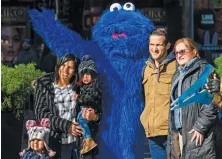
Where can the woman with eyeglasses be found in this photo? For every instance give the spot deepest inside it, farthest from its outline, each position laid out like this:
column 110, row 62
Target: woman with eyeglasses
column 192, row 128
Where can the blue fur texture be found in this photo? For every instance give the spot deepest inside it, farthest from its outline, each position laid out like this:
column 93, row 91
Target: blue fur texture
column 119, row 62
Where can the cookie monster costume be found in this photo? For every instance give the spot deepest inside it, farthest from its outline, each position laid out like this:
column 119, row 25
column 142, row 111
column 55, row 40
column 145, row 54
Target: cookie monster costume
column 119, row 48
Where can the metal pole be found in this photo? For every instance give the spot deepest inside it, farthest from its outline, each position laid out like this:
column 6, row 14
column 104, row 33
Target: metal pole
column 192, row 18
column 57, row 9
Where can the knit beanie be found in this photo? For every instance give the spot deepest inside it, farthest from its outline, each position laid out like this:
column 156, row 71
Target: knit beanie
column 40, row 132
column 87, row 66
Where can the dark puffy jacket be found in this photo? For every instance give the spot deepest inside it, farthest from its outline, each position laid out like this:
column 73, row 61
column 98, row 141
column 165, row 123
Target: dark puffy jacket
column 90, row 95
column 47, row 62
column 201, row 117
column 25, row 57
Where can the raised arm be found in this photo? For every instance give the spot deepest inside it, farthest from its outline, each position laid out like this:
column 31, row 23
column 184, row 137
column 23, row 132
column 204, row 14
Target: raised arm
column 57, row 36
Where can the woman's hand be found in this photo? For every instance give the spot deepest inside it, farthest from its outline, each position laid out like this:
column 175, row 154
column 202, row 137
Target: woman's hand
column 75, row 130
column 75, row 96
column 213, row 85
column 198, row 136
column 89, row 114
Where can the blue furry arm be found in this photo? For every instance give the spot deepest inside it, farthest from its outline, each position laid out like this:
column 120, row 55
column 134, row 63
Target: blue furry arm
column 57, row 36
column 62, row 40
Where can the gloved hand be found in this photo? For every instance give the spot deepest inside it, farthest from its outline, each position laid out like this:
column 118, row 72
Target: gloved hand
column 214, row 86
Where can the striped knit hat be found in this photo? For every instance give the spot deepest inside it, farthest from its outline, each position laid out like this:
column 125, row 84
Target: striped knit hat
column 87, row 66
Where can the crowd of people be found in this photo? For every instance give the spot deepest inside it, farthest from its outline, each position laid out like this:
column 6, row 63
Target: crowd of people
column 68, row 101
column 70, row 98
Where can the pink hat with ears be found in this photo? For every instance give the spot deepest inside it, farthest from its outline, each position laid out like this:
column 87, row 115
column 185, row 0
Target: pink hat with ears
column 39, row 131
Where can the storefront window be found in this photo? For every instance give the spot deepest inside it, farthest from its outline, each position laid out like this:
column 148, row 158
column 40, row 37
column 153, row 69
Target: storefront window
column 207, row 28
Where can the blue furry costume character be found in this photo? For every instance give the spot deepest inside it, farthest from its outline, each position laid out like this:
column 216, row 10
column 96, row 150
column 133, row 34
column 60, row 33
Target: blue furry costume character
column 119, row 49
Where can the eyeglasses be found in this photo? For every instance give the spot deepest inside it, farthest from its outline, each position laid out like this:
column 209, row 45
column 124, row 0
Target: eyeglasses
column 182, row 52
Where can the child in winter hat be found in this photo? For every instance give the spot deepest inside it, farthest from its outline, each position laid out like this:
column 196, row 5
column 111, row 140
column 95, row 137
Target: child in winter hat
column 87, row 95
column 38, row 141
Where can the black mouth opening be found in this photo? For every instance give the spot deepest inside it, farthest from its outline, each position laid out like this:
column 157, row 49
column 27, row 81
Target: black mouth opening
column 118, row 32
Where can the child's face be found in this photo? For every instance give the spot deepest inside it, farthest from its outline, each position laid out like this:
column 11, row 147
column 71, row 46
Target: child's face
column 87, row 78
column 37, row 145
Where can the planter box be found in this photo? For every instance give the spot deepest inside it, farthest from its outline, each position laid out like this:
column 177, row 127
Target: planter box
column 11, row 132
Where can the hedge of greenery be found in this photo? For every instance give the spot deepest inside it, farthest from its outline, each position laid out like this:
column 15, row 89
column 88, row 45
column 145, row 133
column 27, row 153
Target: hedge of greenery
column 218, row 63
column 16, row 85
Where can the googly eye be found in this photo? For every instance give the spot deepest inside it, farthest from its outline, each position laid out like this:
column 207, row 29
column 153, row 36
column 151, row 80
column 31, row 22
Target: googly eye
column 129, row 6
column 115, row 7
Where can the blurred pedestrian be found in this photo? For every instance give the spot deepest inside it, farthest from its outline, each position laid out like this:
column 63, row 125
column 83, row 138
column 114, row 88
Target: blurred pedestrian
column 11, row 42
column 27, row 54
column 46, row 60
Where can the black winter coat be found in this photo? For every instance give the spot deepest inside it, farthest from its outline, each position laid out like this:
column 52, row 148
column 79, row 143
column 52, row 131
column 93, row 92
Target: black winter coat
column 90, row 95
column 45, row 108
column 201, row 117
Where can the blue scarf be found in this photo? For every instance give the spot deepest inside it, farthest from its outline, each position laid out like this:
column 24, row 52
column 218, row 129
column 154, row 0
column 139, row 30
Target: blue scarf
column 189, row 65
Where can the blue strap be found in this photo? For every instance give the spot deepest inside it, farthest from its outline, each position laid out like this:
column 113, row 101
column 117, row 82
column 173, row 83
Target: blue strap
column 192, row 95
column 219, row 114
column 76, row 153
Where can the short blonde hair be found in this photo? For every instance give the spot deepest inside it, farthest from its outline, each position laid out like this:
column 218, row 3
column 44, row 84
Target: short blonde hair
column 189, row 43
